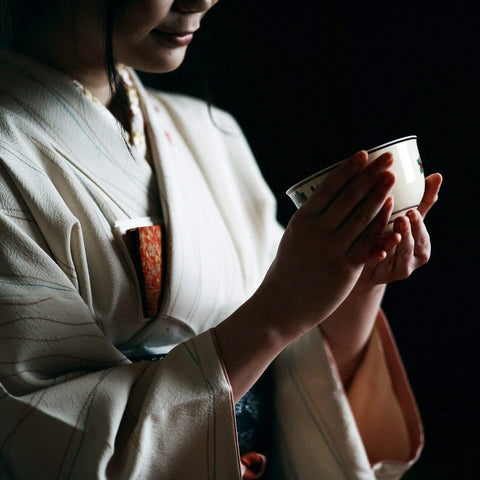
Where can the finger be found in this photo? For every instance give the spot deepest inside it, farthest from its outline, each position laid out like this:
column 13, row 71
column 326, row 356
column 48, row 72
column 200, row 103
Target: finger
column 389, row 241
column 334, row 182
column 368, row 248
column 432, row 187
column 404, row 254
column 421, row 238
column 367, row 209
column 372, row 183
column 364, row 228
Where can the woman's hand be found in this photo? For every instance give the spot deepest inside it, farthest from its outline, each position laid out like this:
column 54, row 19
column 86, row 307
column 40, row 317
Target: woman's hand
column 327, row 244
column 348, row 329
column 321, row 256
column 410, row 243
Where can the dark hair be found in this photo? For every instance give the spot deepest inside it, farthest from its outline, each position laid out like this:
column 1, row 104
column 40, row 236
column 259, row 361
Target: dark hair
column 5, row 24
column 111, row 10
column 17, row 16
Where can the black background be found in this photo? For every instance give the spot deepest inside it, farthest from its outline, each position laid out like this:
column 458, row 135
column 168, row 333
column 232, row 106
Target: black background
column 312, row 82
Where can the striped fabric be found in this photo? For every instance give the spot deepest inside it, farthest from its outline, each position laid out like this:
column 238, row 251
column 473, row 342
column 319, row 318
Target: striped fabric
column 72, row 405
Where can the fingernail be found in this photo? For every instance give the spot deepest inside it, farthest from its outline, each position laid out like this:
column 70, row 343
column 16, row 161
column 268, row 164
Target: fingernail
column 360, row 157
column 388, row 203
column 388, row 161
column 386, row 178
column 411, row 214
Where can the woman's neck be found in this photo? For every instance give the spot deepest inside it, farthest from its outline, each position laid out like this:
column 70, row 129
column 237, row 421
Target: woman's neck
column 94, row 79
column 58, row 49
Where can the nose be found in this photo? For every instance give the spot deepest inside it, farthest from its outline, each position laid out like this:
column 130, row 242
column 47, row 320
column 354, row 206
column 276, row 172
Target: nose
column 195, row 6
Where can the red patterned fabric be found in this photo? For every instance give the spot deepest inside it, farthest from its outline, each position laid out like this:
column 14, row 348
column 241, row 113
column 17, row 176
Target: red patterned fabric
column 145, row 245
column 253, row 465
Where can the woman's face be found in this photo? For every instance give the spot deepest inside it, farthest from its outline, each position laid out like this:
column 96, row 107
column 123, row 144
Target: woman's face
column 148, row 35
column 153, row 35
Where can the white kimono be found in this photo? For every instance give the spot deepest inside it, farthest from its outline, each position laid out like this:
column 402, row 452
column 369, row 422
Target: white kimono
column 72, row 406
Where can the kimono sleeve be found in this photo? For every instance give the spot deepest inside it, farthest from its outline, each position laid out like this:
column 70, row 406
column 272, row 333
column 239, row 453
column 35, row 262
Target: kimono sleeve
column 326, row 432
column 72, row 406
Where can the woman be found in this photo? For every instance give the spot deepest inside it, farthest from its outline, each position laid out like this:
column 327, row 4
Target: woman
column 145, row 285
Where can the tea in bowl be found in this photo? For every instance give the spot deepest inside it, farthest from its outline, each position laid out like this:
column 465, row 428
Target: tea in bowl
column 407, row 167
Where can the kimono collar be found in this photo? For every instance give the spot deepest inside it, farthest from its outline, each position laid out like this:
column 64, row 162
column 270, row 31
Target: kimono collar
column 72, row 130
column 51, row 100
column 136, row 135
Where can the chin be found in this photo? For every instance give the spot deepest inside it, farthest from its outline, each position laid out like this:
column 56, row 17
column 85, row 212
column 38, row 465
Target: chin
column 165, row 68
column 157, row 62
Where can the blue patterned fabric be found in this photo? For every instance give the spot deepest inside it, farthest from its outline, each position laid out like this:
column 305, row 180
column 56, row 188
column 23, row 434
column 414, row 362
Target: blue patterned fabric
column 254, row 413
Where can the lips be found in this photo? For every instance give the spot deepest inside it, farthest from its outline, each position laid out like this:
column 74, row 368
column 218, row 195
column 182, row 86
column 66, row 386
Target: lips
column 178, row 39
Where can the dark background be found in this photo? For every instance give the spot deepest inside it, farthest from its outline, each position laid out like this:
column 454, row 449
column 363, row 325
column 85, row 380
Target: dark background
column 313, row 82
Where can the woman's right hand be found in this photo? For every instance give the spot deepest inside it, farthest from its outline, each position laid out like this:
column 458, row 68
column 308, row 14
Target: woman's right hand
column 320, row 258
column 327, row 243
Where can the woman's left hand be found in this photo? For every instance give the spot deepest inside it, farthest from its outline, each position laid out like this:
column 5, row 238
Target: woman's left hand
column 409, row 246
